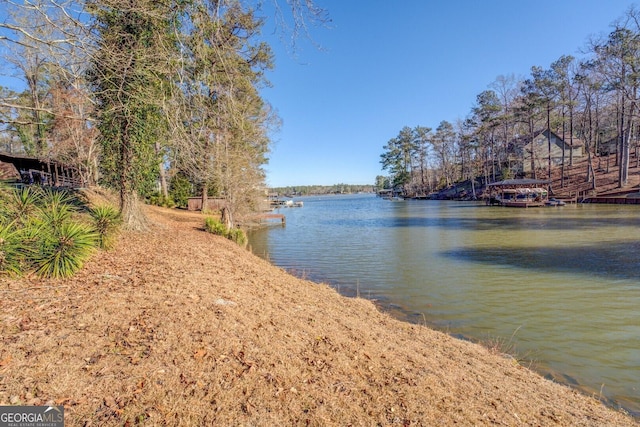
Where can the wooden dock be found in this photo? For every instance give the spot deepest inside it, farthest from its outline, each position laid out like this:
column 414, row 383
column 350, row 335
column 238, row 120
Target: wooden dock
column 614, row 200
column 524, row 204
column 271, row 216
column 620, row 197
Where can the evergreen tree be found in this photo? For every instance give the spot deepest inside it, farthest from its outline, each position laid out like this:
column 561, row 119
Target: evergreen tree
column 422, row 140
column 221, row 118
column 443, row 141
column 397, row 157
column 129, row 73
column 486, row 113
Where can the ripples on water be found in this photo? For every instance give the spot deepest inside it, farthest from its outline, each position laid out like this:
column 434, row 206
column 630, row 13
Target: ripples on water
column 564, row 282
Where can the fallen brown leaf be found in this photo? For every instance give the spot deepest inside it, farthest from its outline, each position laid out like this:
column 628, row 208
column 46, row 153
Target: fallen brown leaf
column 200, row 354
column 5, row 361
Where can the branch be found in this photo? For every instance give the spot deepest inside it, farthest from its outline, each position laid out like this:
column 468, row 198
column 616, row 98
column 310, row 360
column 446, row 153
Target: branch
column 31, row 36
column 44, row 110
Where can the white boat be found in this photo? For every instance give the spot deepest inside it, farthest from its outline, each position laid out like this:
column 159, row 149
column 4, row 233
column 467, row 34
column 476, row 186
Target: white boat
column 555, row 202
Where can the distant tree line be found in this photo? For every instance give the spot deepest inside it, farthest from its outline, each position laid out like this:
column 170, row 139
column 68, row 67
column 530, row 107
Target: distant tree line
column 307, row 190
column 153, row 98
column 594, row 100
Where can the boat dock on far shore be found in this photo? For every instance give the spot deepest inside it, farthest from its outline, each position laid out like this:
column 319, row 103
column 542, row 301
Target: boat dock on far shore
column 276, row 202
column 519, row 193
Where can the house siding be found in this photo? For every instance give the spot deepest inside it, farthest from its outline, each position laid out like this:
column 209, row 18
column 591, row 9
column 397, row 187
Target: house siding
column 541, row 152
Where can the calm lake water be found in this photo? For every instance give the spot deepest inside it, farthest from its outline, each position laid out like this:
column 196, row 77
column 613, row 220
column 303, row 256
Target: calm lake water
column 560, row 286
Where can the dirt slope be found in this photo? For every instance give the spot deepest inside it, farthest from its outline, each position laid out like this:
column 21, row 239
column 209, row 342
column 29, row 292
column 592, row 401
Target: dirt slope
column 180, row 327
column 606, row 172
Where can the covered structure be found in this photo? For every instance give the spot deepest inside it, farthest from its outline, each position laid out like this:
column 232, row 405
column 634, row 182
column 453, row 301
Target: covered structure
column 31, row 170
column 521, row 193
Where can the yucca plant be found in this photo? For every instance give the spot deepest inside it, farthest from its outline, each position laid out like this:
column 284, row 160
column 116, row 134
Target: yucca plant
column 6, row 193
column 51, row 197
column 106, row 221
column 32, row 233
column 12, row 250
column 42, row 230
column 65, row 250
column 54, row 216
column 21, row 204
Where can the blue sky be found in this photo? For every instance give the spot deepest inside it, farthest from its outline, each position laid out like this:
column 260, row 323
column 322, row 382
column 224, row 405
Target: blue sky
column 387, row 64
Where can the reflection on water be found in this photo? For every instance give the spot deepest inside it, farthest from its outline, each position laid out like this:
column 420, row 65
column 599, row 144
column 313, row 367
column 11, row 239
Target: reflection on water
column 565, row 282
column 608, row 260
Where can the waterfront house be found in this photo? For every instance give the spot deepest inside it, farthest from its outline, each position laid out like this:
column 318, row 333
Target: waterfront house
column 536, row 154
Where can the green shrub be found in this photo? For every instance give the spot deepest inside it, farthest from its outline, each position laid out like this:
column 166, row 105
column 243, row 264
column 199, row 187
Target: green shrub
column 214, row 226
column 180, row 190
column 53, row 215
column 44, row 230
column 168, row 202
column 106, row 222
column 50, row 197
column 11, row 250
column 21, row 203
column 238, row 236
column 158, row 199
column 65, row 250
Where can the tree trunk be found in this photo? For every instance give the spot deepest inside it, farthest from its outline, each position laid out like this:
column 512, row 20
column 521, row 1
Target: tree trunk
column 96, row 170
column 563, row 149
column 226, row 217
column 163, row 175
column 204, row 197
column 571, row 136
column 625, row 138
column 533, row 158
column 549, row 141
column 493, row 157
column 624, row 158
column 133, row 217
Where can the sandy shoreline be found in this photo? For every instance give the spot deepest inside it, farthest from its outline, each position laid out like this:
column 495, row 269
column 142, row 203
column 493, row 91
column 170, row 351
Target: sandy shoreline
column 179, row 327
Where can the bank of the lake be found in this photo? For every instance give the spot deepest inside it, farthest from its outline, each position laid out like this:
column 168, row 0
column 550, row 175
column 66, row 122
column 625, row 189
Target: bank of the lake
column 558, row 286
column 180, row 327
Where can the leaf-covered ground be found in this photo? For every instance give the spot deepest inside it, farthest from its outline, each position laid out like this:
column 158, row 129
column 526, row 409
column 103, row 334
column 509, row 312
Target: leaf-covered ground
column 180, row 327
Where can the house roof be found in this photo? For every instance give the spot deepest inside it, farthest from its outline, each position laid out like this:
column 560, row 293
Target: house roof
column 575, row 143
column 526, row 139
column 24, row 162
